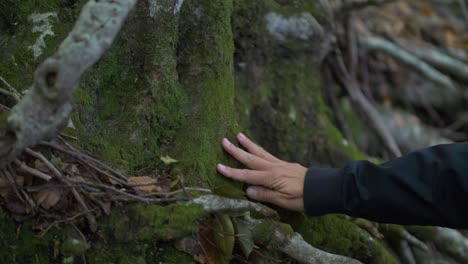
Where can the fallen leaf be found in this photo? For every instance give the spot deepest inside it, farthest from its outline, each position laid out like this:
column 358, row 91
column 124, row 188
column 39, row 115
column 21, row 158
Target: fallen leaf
column 224, row 236
column 49, row 197
column 72, row 169
column 147, row 184
column 168, row 160
column 244, row 237
column 40, row 166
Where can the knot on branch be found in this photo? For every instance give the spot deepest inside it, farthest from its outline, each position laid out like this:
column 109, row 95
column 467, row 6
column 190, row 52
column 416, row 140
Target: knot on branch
column 48, row 80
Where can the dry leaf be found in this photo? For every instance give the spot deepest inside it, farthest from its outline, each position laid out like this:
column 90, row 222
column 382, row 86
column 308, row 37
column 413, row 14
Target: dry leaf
column 40, row 166
column 147, row 184
column 49, row 197
column 72, row 169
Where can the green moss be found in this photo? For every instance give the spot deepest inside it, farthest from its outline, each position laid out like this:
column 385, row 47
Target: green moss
column 423, row 232
column 122, row 253
column 152, row 222
column 174, row 256
column 205, row 68
column 17, row 63
column 335, row 234
column 131, row 103
column 263, row 234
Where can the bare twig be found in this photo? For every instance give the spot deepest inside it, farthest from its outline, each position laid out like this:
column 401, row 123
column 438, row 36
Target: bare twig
column 8, row 93
column 379, row 44
column 46, row 162
column 361, row 101
column 12, row 90
column 90, row 217
column 88, row 161
column 22, row 166
column 437, row 58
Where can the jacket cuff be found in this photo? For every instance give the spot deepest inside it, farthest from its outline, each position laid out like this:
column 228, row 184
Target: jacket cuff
column 322, row 191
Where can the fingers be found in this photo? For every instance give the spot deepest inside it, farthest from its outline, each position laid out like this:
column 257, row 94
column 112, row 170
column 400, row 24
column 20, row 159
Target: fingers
column 248, row 176
column 244, row 157
column 266, row 195
column 255, row 149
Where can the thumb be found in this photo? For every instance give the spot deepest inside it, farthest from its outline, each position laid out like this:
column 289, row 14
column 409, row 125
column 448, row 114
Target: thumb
column 264, row 194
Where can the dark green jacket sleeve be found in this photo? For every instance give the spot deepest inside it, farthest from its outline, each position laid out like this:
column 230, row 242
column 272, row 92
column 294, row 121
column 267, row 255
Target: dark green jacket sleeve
column 425, row 187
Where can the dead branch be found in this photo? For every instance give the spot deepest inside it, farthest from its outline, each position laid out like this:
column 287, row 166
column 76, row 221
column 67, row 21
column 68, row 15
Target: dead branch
column 46, row 108
column 12, row 91
column 365, row 106
column 437, row 58
column 379, row 44
column 22, row 166
column 292, row 243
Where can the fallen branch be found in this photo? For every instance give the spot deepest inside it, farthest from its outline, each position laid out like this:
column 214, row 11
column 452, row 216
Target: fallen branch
column 437, row 58
column 46, row 108
column 281, row 237
column 379, row 44
column 365, row 106
column 32, row 171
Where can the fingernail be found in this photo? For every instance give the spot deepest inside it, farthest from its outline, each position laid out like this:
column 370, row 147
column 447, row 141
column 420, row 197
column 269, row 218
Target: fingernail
column 226, row 142
column 242, row 136
column 221, row 167
column 251, row 192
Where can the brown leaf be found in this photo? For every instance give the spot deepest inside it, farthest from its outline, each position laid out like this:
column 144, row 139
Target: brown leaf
column 72, row 169
column 147, row 184
column 40, row 166
column 49, row 197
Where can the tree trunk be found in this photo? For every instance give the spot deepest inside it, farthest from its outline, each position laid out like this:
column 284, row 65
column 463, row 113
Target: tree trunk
column 175, row 82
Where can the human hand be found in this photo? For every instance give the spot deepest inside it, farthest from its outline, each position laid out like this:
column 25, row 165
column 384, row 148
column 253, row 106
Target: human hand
column 275, row 181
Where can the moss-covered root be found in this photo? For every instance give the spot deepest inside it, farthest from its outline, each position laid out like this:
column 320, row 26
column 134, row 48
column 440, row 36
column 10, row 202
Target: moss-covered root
column 338, row 235
column 141, row 222
column 447, row 240
column 280, row 236
column 396, row 234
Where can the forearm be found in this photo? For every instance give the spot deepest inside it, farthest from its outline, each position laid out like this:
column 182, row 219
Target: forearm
column 425, row 187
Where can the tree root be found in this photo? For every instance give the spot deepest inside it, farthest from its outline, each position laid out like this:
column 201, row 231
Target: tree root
column 437, row 58
column 219, row 204
column 449, row 241
column 379, row 44
column 281, row 237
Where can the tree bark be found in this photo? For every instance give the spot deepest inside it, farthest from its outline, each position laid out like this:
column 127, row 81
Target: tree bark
column 180, row 76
